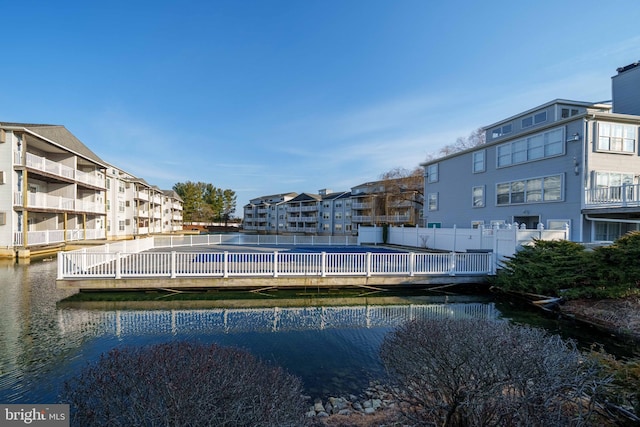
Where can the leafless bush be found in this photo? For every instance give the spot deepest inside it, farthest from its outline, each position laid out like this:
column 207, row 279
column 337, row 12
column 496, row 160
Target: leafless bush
column 473, row 373
column 184, row 384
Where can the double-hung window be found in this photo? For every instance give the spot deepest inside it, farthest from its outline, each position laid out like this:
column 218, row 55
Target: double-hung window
column 477, row 195
column 479, row 161
column 617, row 138
column 432, row 199
column 432, row 173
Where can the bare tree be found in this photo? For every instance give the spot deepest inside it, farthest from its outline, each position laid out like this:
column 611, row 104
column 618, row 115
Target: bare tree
column 184, row 384
column 476, row 373
column 402, row 193
column 475, row 138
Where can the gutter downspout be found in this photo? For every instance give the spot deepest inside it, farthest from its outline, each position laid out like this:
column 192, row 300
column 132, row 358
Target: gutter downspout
column 627, row 221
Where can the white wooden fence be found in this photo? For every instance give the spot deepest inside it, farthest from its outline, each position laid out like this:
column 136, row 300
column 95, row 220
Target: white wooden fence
column 94, row 264
column 503, row 242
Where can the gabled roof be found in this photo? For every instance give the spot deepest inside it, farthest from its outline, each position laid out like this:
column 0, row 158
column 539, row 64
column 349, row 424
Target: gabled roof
column 172, row 194
column 340, row 195
column 60, row 136
column 304, row 197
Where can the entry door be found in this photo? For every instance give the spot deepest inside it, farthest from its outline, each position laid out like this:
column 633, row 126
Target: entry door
column 531, row 222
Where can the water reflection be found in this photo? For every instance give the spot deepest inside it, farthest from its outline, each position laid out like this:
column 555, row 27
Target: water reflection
column 334, row 348
column 274, row 319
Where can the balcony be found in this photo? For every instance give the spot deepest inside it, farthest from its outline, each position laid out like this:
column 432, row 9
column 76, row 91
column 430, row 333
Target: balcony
column 361, row 206
column 52, row 168
column 622, row 196
column 56, row 203
column 47, row 237
column 302, row 208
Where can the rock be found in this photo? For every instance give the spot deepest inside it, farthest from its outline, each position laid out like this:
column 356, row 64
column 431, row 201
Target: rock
column 345, row 412
column 318, row 407
column 311, row 413
column 367, row 404
column 358, row 407
column 328, row 408
column 376, row 403
column 369, row 411
column 322, row 414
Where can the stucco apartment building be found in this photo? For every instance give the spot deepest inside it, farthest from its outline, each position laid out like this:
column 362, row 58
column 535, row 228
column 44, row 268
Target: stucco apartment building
column 55, row 190
column 561, row 164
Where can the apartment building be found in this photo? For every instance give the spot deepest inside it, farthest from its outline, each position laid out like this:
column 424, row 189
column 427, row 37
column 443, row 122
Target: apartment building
column 561, row 164
column 339, row 213
column 54, row 190
column 394, row 201
column 267, row 214
column 335, row 215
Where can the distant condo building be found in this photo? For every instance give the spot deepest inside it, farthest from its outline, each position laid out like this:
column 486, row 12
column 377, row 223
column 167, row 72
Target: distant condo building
column 54, row 190
column 329, row 213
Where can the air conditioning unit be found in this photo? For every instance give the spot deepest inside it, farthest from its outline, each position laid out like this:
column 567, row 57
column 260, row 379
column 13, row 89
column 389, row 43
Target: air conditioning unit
column 3, row 135
column 3, row 218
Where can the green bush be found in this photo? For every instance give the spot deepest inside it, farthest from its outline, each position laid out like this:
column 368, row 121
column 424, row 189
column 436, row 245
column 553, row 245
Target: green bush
column 544, row 268
column 618, row 263
column 184, row 384
column 564, row 268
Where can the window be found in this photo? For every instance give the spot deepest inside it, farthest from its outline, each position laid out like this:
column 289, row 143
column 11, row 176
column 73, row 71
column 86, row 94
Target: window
column 502, row 130
column 534, row 190
column 558, row 224
column 617, row 138
column 479, row 161
column 432, row 173
column 433, row 201
column 338, row 215
column 121, row 225
column 568, row 112
column 534, row 147
column 534, row 120
column 477, row 195
column 613, row 183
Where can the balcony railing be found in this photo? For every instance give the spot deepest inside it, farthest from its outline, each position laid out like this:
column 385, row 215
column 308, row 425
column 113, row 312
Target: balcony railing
column 627, row 195
column 47, row 237
column 59, row 203
column 58, row 169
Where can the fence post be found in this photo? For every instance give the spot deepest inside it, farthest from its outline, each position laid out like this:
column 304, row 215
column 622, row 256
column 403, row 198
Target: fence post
column 368, row 264
column 173, row 264
column 323, row 267
column 118, row 265
column 225, row 270
column 61, row 255
column 452, row 264
column 412, row 263
column 275, row 263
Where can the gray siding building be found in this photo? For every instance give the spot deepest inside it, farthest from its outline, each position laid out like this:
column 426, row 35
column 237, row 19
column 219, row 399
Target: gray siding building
column 563, row 163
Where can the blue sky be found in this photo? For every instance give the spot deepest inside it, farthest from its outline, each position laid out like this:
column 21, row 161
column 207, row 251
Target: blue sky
column 271, row 96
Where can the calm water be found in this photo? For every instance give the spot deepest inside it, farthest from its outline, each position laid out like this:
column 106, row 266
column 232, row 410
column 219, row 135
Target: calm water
column 334, row 349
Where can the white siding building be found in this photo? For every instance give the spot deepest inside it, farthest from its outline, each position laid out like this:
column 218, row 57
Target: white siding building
column 55, row 190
